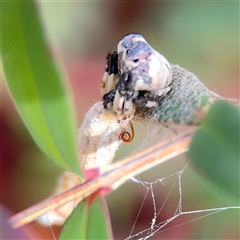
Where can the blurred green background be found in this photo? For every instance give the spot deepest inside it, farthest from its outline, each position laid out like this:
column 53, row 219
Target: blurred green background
column 202, row 37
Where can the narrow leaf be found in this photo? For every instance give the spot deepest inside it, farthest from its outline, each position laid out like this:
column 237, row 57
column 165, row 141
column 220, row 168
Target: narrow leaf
column 38, row 89
column 215, row 147
column 90, row 220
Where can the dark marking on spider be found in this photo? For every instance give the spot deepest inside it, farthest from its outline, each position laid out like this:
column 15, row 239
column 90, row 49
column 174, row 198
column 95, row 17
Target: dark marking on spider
column 112, row 62
column 143, row 98
column 108, row 98
column 140, row 51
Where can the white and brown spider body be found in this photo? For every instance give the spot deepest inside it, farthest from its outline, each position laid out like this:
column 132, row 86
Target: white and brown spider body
column 140, row 68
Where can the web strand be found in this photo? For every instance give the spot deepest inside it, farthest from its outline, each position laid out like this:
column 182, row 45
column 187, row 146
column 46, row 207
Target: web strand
column 156, row 226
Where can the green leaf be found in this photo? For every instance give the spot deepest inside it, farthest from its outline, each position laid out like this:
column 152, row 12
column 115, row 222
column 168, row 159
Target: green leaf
column 38, row 89
column 215, row 148
column 89, row 220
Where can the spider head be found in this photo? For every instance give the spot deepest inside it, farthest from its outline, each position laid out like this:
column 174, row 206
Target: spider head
column 133, row 50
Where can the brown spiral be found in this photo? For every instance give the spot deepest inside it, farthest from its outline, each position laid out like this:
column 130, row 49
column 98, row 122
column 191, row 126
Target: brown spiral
column 126, row 136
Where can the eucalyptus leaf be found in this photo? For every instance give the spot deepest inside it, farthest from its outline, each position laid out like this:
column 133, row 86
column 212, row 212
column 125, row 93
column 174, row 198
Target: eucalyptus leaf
column 42, row 97
column 89, row 220
column 215, row 148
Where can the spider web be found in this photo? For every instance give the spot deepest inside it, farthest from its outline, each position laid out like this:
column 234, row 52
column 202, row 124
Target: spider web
column 173, row 189
column 173, row 183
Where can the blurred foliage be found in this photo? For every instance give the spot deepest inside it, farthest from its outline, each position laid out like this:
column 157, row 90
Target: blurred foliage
column 39, row 92
column 200, row 36
column 87, row 214
column 215, row 147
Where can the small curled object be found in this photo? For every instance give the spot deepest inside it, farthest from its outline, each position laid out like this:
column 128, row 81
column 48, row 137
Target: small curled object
column 126, row 136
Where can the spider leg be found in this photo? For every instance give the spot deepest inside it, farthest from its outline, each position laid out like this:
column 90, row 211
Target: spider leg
column 144, row 102
column 118, row 104
column 128, row 107
column 112, row 80
column 108, row 99
column 128, row 104
column 145, row 98
column 104, row 81
column 110, row 76
column 163, row 91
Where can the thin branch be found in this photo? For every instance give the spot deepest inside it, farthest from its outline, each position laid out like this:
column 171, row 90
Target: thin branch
column 111, row 176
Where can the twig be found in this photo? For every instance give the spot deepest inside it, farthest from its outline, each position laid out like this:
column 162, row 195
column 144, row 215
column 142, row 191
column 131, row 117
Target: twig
column 111, row 176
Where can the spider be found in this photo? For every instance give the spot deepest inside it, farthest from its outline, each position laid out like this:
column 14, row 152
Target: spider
column 134, row 75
